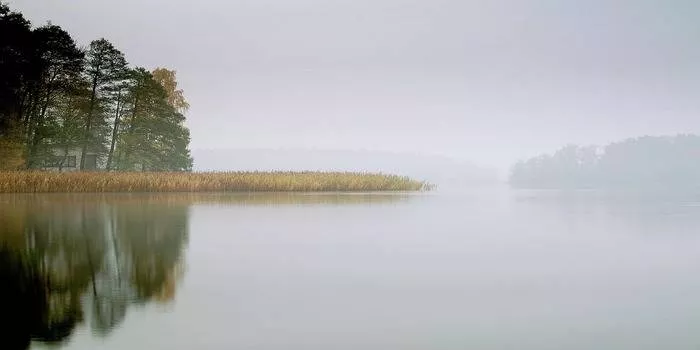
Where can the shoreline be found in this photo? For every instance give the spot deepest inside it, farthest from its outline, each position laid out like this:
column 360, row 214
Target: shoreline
column 206, row 182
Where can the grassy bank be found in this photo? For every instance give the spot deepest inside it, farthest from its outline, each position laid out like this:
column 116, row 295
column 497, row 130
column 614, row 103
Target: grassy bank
column 44, row 182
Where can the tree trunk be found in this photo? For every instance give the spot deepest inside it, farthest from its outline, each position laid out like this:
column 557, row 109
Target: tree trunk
column 88, row 125
column 115, row 131
column 127, row 152
column 29, row 119
column 36, row 133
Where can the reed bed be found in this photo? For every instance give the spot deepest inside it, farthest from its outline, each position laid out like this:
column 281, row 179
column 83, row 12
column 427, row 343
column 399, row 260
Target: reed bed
column 104, row 182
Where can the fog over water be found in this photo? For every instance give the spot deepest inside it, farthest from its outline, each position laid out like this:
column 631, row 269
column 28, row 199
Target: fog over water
column 486, row 81
column 490, row 269
column 590, row 247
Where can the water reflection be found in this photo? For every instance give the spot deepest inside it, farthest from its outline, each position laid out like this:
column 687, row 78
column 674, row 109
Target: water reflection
column 84, row 260
column 80, row 261
column 274, row 199
column 631, row 212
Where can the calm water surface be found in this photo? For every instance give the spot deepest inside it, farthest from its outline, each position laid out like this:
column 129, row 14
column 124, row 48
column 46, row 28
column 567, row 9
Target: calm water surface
column 481, row 270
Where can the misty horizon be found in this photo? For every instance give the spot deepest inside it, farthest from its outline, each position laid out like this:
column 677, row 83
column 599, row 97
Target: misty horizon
column 349, row 174
column 443, row 172
column 492, row 83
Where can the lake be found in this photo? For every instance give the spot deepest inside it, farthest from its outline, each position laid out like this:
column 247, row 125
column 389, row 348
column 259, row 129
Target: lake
column 488, row 269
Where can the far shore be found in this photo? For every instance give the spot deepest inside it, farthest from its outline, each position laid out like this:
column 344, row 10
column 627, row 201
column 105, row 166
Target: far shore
column 135, row 182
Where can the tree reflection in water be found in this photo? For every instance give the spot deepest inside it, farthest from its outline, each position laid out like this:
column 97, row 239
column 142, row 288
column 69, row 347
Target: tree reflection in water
column 72, row 260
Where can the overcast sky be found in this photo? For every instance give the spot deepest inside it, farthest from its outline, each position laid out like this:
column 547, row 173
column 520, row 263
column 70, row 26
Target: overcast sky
column 491, row 81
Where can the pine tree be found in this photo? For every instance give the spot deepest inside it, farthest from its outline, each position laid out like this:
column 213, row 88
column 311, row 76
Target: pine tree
column 104, row 68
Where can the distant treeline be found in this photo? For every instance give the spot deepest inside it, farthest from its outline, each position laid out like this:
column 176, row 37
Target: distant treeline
column 57, row 98
column 644, row 162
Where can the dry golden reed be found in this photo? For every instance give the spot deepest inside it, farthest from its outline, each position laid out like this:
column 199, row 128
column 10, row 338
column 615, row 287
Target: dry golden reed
column 101, row 182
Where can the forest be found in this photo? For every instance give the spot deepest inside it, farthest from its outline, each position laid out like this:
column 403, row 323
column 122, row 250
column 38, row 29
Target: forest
column 63, row 105
column 648, row 162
